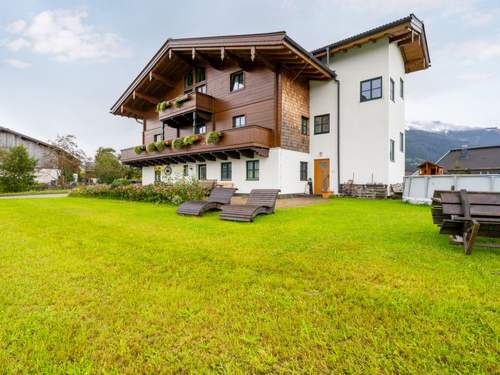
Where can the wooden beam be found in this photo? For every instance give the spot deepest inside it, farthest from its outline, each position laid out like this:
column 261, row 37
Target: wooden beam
column 207, row 60
column 264, row 152
column 269, row 64
column 172, row 53
column 237, row 60
column 233, row 154
column 167, row 82
column 189, row 158
column 208, row 156
column 147, row 98
column 248, row 153
column 198, row 157
column 220, row 155
column 134, row 112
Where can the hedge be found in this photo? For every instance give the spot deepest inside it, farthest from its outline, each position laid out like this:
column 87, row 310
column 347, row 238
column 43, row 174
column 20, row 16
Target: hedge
column 174, row 193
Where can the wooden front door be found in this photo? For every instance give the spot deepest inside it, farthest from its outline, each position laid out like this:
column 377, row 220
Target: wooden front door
column 321, row 175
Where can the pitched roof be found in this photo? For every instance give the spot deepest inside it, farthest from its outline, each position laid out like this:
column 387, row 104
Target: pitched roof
column 409, row 32
column 175, row 54
column 472, row 158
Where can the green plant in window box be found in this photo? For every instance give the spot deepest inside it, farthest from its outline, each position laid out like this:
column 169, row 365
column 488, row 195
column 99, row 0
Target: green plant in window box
column 139, row 149
column 161, row 106
column 160, row 146
column 213, row 137
column 177, row 143
column 151, row 147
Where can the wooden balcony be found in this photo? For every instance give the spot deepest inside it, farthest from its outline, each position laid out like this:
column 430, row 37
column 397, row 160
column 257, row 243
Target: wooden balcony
column 180, row 110
column 248, row 141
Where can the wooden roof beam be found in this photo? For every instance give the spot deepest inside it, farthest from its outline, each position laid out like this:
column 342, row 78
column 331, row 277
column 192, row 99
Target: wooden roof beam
column 235, row 58
column 138, row 114
column 206, row 59
column 147, row 98
column 164, row 80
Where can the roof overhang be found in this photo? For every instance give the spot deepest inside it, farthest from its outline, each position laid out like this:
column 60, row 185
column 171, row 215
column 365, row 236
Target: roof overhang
column 408, row 33
column 275, row 50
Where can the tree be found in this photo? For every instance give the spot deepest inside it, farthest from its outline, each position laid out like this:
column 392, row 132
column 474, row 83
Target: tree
column 16, row 170
column 107, row 166
column 69, row 156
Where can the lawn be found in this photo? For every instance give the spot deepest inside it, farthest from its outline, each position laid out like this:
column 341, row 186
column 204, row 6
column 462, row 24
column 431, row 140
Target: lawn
column 35, row 192
column 351, row 286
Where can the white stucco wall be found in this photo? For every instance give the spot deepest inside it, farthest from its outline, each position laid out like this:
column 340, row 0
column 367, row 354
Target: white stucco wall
column 281, row 170
column 396, row 114
column 365, row 126
column 323, row 100
column 46, row 175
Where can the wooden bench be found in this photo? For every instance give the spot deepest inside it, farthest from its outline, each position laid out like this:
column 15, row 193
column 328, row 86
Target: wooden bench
column 466, row 215
column 260, row 201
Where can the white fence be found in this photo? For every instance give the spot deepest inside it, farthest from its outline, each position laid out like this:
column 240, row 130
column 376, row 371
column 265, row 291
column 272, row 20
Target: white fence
column 419, row 189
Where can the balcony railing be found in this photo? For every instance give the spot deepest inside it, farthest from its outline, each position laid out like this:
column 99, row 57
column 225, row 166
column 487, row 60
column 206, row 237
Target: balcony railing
column 186, row 104
column 246, row 141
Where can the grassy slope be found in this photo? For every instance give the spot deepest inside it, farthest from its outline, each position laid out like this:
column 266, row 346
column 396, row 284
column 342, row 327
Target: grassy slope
column 359, row 286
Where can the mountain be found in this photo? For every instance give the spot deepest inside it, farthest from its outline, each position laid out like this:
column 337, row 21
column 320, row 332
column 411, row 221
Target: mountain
column 431, row 140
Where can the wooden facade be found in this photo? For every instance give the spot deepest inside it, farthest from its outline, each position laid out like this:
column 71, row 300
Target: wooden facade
column 273, row 100
column 429, row 168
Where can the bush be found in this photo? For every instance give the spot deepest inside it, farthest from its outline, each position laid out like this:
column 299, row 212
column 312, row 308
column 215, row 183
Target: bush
column 17, row 170
column 160, row 146
column 120, row 182
column 173, row 193
column 213, row 137
column 177, row 143
column 151, row 147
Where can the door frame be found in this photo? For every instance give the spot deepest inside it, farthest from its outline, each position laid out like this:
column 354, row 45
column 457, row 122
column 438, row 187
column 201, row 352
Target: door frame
column 318, row 188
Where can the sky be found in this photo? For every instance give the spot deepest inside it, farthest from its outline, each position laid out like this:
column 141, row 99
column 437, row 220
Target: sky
column 64, row 63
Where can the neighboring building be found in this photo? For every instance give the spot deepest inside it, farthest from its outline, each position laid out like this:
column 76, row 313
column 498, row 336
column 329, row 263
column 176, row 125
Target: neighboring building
column 46, row 154
column 428, row 168
column 473, row 160
column 335, row 115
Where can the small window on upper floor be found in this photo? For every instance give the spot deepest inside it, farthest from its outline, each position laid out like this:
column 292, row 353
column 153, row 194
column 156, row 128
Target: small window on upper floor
column 401, row 88
column 157, row 137
column 200, row 74
column 304, row 126
column 188, row 82
column 200, row 129
column 393, row 89
column 202, row 89
column 371, row 89
column 239, row 121
column 237, row 81
column 322, row 124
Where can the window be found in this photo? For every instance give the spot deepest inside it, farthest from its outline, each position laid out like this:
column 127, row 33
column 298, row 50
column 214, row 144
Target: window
column 239, row 121
column 200, row 74
column 237, row 81
column 157, row 176
column 401, row 142
column 392, row 89
column 371, row 89
column 200, row 129
column 202, row 89
column 401, row 88
column 202, row 171
column 157, row 137
column 391, row 151
column 253, row 170
column 322, row 124
column 226, row 173
column 185, row 170
column 303, row 171
column 188, row 82
column 304, row 126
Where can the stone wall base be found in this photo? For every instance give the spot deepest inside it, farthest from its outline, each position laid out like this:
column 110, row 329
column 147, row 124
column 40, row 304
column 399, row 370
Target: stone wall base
column 373, row 191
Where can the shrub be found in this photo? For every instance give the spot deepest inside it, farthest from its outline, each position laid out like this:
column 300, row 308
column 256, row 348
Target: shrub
column 213, row 137
column 120, row 182
column 160, row 146
column 17, row 170
column 177, row 143
column 151, row 147
column 162, row 106
column 139, row 149
column 189, row 139
column 173, row 193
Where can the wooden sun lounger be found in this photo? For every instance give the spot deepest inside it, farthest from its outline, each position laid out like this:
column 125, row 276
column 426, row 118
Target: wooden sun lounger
column 218, row 198
column 260, row 201
column 466, row 215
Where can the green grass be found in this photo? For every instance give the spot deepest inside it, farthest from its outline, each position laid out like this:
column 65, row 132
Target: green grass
column 352, row 286
column 35, row 192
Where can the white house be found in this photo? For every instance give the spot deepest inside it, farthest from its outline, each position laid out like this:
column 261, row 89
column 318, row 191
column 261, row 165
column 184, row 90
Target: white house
column 335, row 115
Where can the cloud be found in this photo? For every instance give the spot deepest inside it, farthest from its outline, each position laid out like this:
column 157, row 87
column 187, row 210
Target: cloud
column 17, row 44
column 18, row 64
column 65, row 35
column 473, row 50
